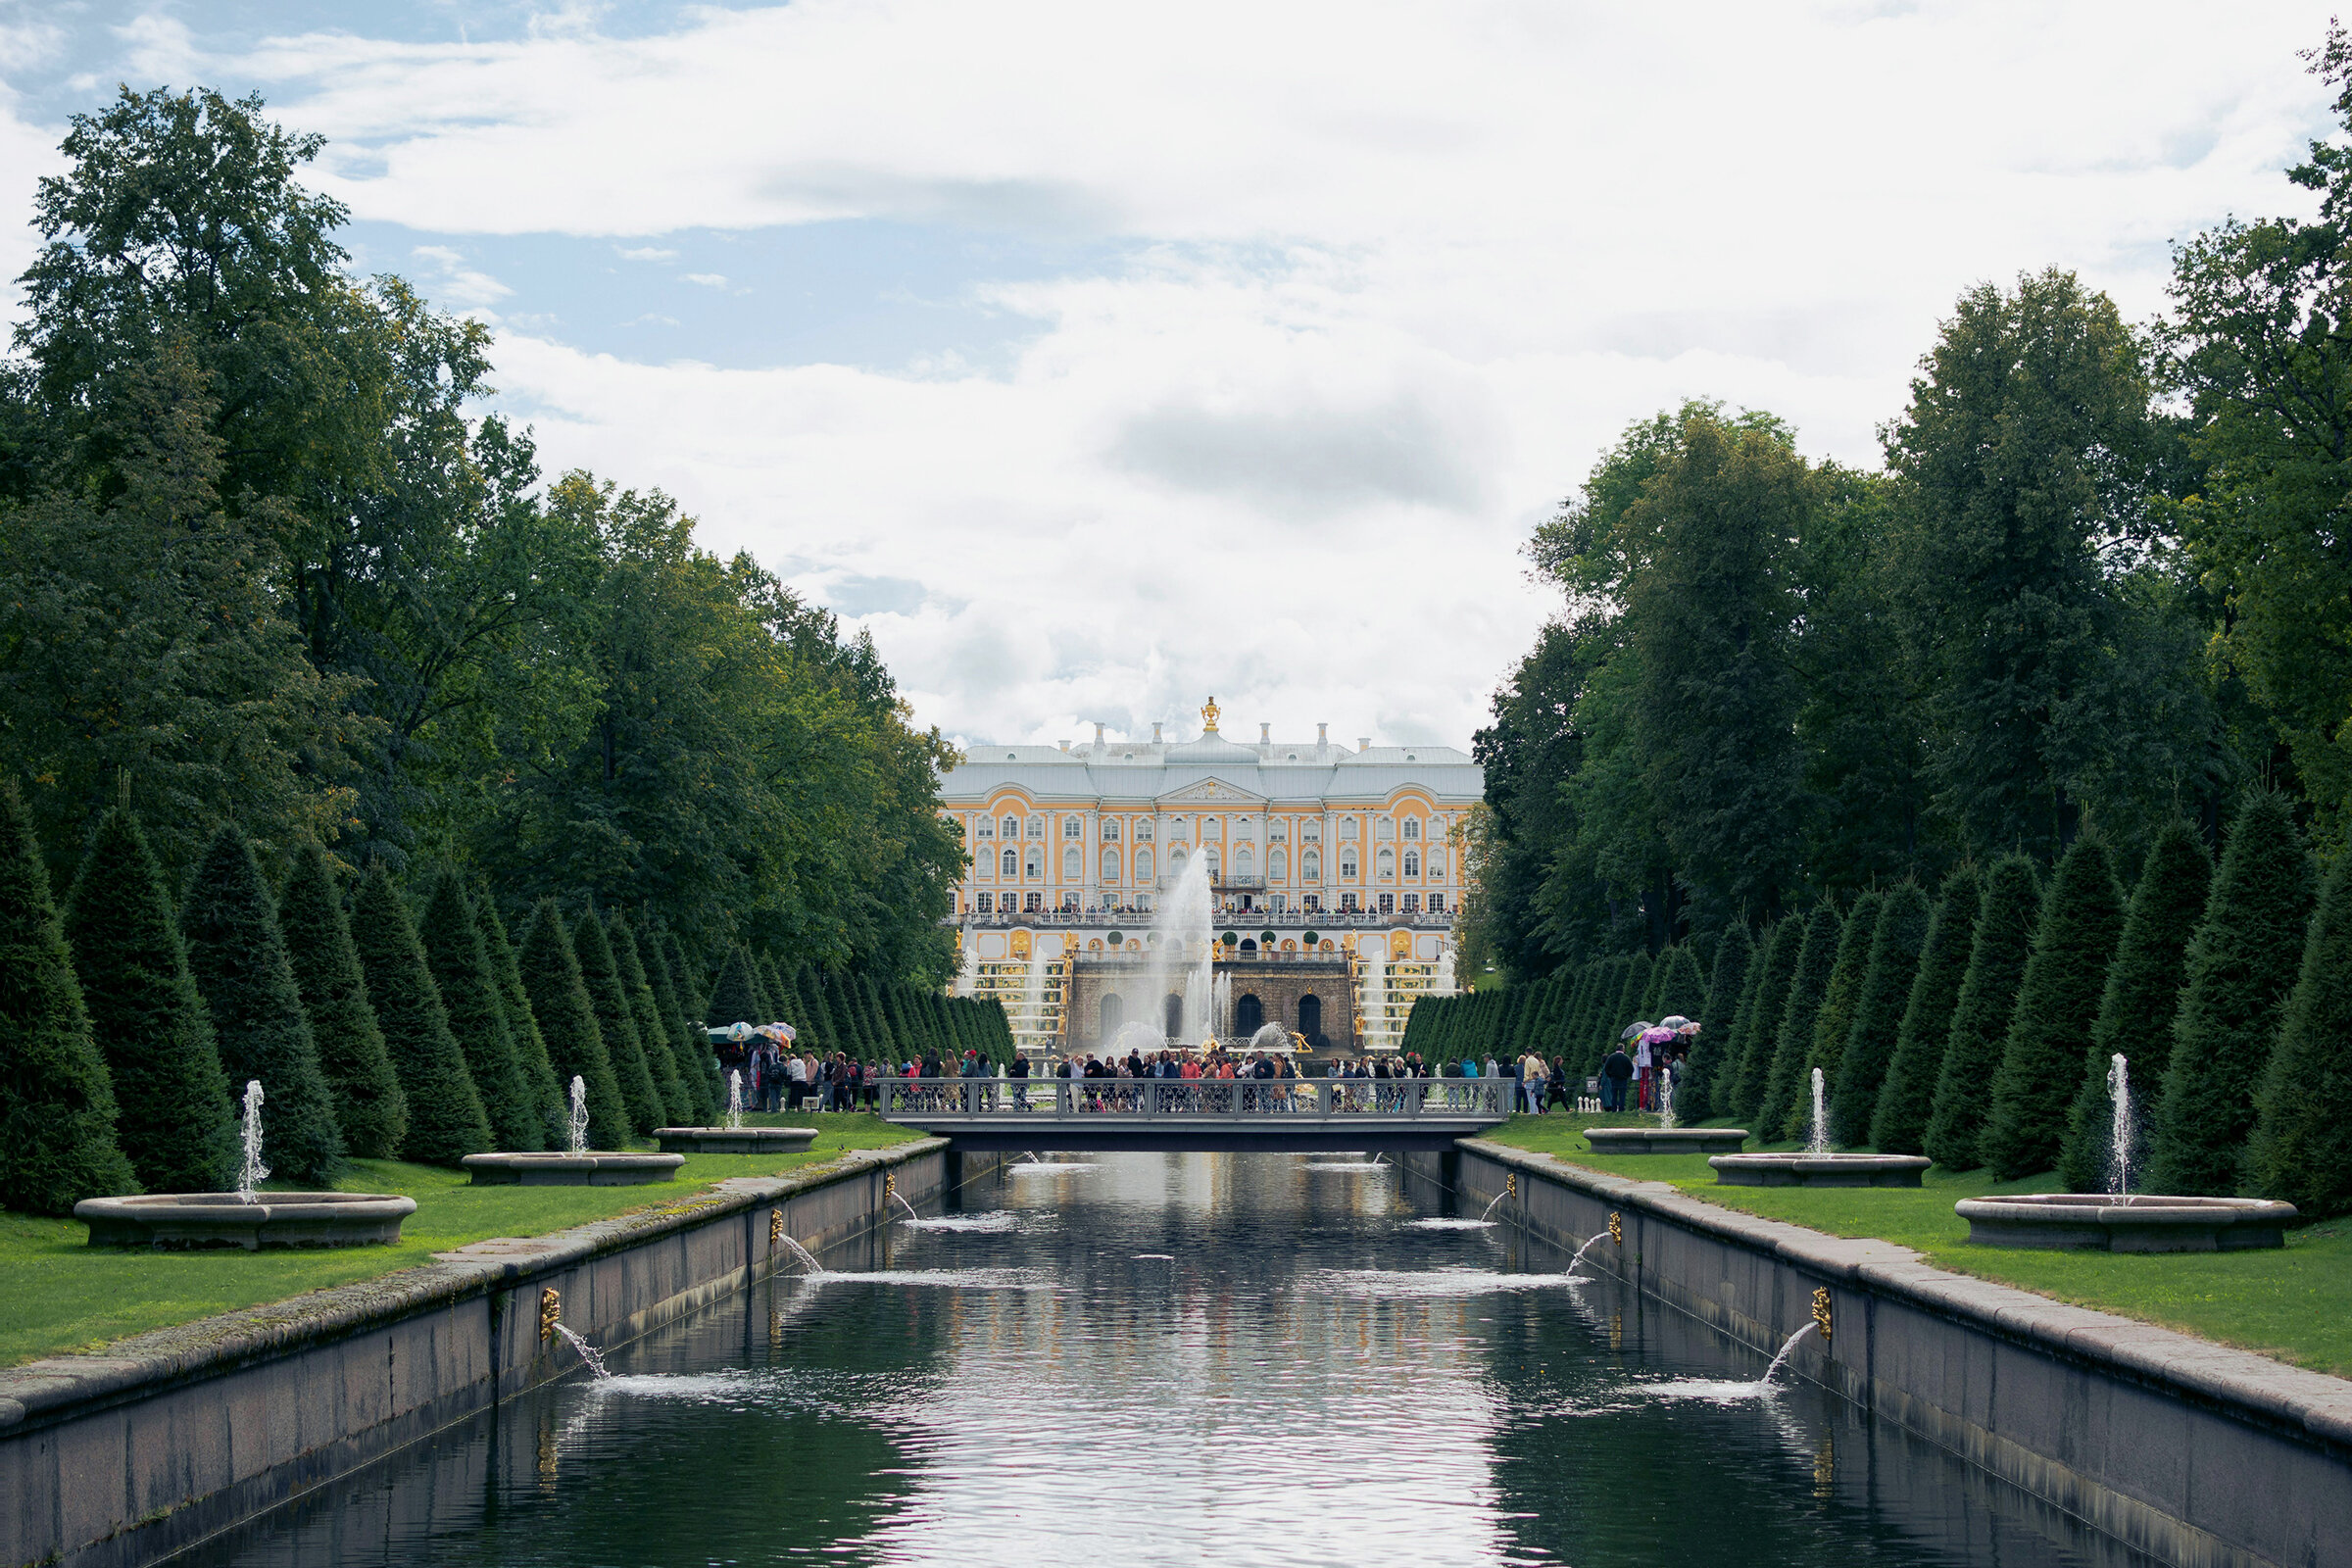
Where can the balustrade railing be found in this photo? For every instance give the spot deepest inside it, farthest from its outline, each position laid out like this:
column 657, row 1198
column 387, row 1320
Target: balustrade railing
column 1272, row 1099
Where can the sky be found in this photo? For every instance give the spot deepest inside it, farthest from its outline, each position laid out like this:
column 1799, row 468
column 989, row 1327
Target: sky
column 1097, row 357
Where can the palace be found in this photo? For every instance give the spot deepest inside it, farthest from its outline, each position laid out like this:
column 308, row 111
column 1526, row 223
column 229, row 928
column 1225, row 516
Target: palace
column 1318, row 858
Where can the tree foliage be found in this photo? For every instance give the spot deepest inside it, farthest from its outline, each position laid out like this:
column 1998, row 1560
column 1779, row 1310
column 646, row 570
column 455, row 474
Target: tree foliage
column 2057, row 1005
column 446, row 1119
column 1972, row 1056
column 1899, row 1123
column 370, row 1107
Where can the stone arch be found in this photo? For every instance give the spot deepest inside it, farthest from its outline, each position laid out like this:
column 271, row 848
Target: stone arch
column 1249, row 1013
column 1310, row 1017
column 1172, row 1015
column 1114, row 1013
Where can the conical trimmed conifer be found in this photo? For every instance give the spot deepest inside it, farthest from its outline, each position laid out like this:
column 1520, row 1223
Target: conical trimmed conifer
column 1649, row 1005
column 446, row 1120
column 617, row 1022
column 472, row 997
column 2141, row 998
column 175, row 1121
column 638, row 991
column 575, row 1044
column 1869, row 1041
column 884, row 1045
column 2242, row 964
column 550, row 1099
column 735, row 999
column 370, row 1106
column 1699, row 1096
column 1900, row 1123
column 1785, row 1091
column 1759, row 1019
column 1972, row 1056
column 1838, row 1007
column 703, row 1062
column 684, row 1043
column 1628, row 1009
column 1680, row 988
column 237, row 954
column 2042, row 1061
column 57, row 1107
column 2302, row 1151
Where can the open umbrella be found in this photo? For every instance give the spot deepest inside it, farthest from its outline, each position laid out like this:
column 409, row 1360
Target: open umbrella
column 1673, row 1020
column 1632, row 1029
column 1656, row 1037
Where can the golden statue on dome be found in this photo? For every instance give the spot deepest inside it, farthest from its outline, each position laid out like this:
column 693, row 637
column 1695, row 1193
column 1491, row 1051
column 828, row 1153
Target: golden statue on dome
column 1208, row 717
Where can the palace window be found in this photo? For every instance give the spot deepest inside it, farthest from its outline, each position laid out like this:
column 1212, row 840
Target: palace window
column 1347, row 827
column 1142, row 830
column 1012, row 864
column 1278, row 831
column 1388, row 904
column 1412, row 863
column 1216, row 862
column 1180, row 830
column 1347, row 864
column 1037, row 827
column 1245, row 862
column 1034, row 901
column 1012, row 827
column 986, row 828
column 1387, row 865
column 1312, row 904
column 1384, row 830
column 1436, row 863
column 1278, row 866
column 1143, row 866
column 1213, row 827
column 1073, row 863
column 1111, row 830
column 1037, row 863
column 988, row 903
column 1311, row 831
column 1437, row 904
column 1412, row 903
column 1346, row 903
column 1245, row 829
column 1071, row 827
column 1110, row 865
column 1176, row 859
column 1413, row 828
column 1310, row 865
column 1070, row 901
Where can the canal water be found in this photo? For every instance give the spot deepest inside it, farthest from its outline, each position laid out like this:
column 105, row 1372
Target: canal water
column 1225, row 1359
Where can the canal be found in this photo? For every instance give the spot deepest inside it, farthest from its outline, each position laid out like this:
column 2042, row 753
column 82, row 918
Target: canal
column 1223, row 1359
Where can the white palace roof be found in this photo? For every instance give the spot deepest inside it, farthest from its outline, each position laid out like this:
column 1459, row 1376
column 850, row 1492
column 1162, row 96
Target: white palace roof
column 1147, row 771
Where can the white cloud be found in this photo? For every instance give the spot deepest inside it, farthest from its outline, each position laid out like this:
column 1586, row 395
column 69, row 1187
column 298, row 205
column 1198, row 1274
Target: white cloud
column 706, row 279
column 1406, row 270
column 645, row 253
column 455, row 280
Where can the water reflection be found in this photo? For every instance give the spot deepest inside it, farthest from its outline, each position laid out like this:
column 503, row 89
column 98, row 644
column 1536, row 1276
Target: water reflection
column 1227, row 1360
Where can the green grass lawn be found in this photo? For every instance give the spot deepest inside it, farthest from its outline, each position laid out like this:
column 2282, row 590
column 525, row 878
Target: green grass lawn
column 2291, row 1303
column 57, row 1293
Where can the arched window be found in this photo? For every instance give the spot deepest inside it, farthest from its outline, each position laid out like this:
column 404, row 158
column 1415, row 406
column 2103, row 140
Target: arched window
column 1387, row 865
column 1110, row 865
column 1012, row 864
column 1216, row 862
column 1114, row 1013
column 1245, row 862
column 1436, row 863
column 1037, row 827
column 1176, row 860
column 1347, row 864
column 1249, row 1013
column 1037, row 863
column 1384, row 830
column 1413, row 828
column 1073, row 863
column 1143, row 866
column 1310, row 865
column 1012, row 827
column 1412, row 863
column 1278, row 865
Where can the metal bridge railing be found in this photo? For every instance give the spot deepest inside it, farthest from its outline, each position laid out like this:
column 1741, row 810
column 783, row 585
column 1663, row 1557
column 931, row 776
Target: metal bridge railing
column 1273, row 1099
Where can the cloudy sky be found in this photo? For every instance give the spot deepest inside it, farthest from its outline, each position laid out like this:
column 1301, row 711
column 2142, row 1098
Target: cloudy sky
column 1098, row 356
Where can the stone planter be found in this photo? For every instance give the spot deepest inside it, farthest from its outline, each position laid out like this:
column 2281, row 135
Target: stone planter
column 1818, row 1170
column 596, row 1168
column 2153, row 1223
column 1666, row 1139
column 190, row 1221
column 734, row 1140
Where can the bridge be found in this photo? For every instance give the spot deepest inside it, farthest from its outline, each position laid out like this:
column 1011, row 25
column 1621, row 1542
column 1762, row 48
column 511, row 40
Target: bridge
column 1305, row 1116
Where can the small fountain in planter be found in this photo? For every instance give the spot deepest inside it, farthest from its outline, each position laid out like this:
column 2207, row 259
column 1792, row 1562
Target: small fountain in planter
column 734, row 1138
column 579, row 1165
column 1817, row 1165
column 248, row 1217
column 1666, row 1138
column 2120, row 1220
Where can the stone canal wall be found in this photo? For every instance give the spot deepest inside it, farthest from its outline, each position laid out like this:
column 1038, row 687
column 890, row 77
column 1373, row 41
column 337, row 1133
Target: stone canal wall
column 121, row 1458
column 2187, row 1452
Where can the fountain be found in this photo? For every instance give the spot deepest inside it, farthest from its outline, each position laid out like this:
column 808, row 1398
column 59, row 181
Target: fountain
column 1666, row 1138
column 1220, row 994
column 1818, row 1165
column 578, row 1165
column 248, row 1217
column 588, row 1352
column 734, row 1138
column 2118, row 1220
column 1182, row 960
column 1374, row 1002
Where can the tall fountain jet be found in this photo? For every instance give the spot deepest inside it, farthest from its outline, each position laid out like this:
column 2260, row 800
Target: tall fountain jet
column 1180, row 953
